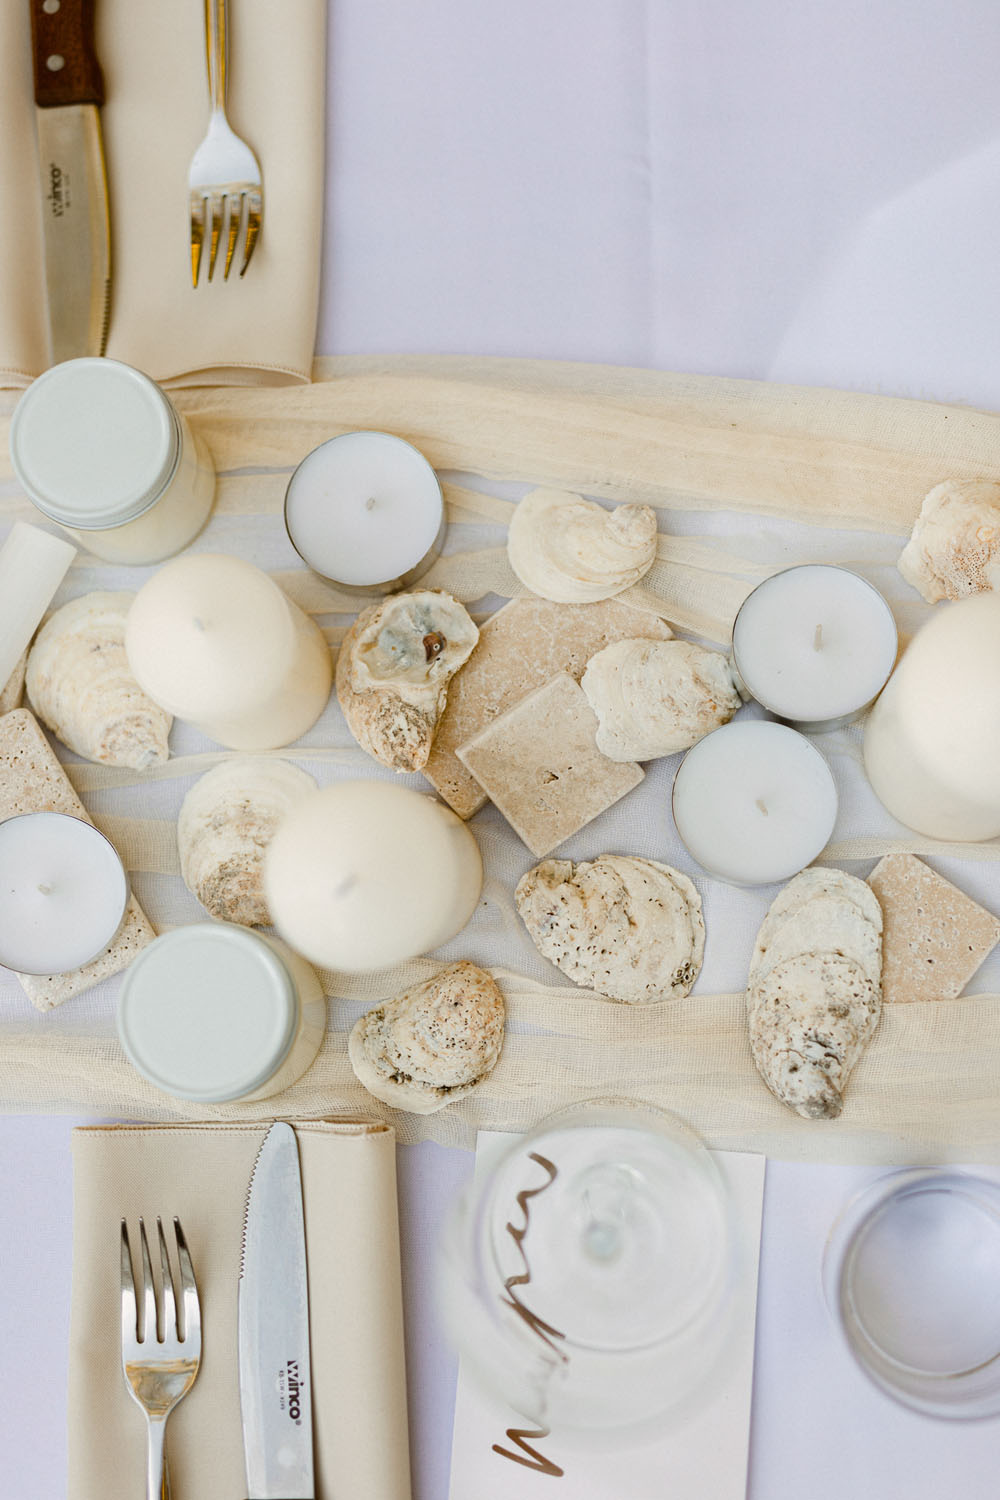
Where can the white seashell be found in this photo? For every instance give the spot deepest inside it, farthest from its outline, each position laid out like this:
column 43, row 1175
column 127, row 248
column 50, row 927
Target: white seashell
column 80, row 685
column 628, row 928
column 573, row 551
column 225, row 824
column 654, row 698
column 955, row 547
column 433, row 1043
column 393, row 671
column 810, row 1020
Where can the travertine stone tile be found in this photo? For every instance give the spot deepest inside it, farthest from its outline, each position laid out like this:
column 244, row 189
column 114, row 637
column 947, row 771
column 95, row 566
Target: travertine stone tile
column 935, row 936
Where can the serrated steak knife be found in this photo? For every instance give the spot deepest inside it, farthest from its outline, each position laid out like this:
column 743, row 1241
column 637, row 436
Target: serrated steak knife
column 69, row 91
column 275, row 1379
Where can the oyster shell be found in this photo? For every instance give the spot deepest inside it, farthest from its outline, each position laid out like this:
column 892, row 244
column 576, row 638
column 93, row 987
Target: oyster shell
column 81, row 686
column 814, row 993
column 653, row 698
column 955, row 547
column 629, row 928
column 225, row 824
column 393, row 671
column 433, row 1043
column 573, row 551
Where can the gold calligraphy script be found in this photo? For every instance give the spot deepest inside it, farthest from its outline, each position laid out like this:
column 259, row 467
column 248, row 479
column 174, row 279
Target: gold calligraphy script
column 529, row 1456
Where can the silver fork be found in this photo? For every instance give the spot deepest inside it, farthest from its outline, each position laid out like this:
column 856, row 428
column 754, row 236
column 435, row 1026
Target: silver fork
column 160, row 1355
column 224, row 172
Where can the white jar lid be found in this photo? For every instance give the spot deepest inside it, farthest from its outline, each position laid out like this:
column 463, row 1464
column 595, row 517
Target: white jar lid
column 208, row 1012
column 94, row 443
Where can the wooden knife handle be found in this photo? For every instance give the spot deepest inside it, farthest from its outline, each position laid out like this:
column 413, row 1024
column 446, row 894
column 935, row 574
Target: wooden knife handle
column 65, row 58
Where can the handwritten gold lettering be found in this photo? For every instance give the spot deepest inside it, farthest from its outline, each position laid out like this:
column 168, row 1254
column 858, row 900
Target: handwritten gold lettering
column 529, row 1456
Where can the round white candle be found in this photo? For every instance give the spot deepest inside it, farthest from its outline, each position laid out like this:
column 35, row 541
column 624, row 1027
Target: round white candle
column 364, row 875
column 815, row 645
column 63, row 893
column 217, row 643
column 365, row 509
column 932, row 741
column 213, row 1011
column 754, row 802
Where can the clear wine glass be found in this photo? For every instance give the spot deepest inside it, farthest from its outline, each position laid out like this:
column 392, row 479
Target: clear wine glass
column 585, row 1275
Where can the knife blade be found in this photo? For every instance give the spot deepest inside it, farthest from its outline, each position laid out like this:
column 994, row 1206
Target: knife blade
column 76, row 228
column 274, row 1372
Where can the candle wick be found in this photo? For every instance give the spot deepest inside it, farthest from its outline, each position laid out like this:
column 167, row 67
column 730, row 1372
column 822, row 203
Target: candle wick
column 370, row 503
column 818, row 639
column 45, row 890
column 763, row 806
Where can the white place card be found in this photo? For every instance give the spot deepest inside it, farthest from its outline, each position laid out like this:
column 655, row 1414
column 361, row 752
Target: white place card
column 701, row 1456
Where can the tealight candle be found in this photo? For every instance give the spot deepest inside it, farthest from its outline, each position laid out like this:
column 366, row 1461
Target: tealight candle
column 932, row 741
column 217, row 643
column 814, row 645
column 213, row 1011
column 63, row 893
column 365, row 510
column 754, row 802
column 364, row 875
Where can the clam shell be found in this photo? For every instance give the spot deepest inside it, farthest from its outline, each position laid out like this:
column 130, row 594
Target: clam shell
column 955, row 547
column 80, row 685
column 393, row 671
column 573, row 551
column 654, row 698
column 433, row 1043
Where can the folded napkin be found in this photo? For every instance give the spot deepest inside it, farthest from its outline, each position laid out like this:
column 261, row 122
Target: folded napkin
column 201, row 1173
column 258, row 330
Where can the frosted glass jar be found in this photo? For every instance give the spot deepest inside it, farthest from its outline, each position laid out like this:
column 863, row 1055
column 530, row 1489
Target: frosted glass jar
column 100, row 449
column 213, row 1012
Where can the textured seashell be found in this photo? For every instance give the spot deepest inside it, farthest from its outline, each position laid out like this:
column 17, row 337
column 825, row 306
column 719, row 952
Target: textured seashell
column 955, row 547
column 573, row 551
column 225, row 824
column 80, row 685
column 433, row 1043
column 653, row 698
column 814, row 992
column 628, row 928
column 810, row 1020
column 393, row 671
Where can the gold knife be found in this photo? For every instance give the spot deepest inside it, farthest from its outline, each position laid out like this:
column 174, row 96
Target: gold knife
column 69, row 90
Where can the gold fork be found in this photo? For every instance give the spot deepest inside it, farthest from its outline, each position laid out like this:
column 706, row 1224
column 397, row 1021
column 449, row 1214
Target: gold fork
column 224, row 173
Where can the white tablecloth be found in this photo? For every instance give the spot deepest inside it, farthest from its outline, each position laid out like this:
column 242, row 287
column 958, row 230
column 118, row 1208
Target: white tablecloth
column 805, row 193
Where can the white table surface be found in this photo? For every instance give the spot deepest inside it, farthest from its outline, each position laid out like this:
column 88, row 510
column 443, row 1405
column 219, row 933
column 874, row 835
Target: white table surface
column 808, row 193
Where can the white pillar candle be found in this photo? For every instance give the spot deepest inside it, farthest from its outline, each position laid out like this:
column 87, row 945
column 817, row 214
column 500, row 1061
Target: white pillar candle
column 365, row 510
column 63, row 893
column 814, row 645
column 217, row 643
column 364, row 875
column 754, row 802
column 213, row 1011
column 32, row 566
column 932, row 741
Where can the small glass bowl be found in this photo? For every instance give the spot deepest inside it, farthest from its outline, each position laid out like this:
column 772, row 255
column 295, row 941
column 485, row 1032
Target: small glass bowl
column 911, row 1274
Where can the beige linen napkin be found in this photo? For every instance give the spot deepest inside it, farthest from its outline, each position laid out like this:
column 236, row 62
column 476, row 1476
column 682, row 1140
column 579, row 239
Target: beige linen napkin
column 201, row 1173
column 257, row 330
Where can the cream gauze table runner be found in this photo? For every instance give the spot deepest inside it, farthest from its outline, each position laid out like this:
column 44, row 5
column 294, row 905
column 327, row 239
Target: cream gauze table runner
column 747, row 478
column 260, row 328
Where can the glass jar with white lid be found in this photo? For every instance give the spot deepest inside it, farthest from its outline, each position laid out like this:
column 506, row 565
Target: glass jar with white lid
column 100, row 449
column 213, row 1012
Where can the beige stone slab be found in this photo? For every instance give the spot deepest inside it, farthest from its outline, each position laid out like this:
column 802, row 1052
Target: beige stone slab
column 540, row 765
column 521, row 647
column 935, row 936
column 12, row 694
column 32, row 780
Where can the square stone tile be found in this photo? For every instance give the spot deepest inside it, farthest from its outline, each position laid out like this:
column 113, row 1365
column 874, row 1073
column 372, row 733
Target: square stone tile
column 935, row 936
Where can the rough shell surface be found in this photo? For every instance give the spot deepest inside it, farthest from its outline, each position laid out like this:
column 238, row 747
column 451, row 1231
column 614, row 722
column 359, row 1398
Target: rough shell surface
column 433, row 1043
column 574, row 551
column 393, row 671
column 654, row 698
column 955, row 547
column 628, row 928
column 826, row 925
column 80, row 685
column 810, row 1019
column 817, row 881
column 226, row 822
